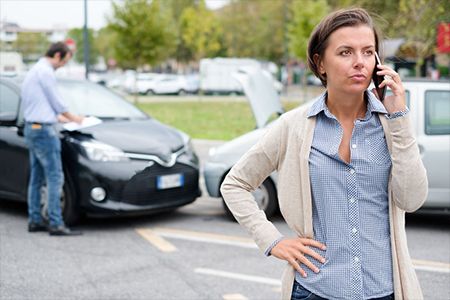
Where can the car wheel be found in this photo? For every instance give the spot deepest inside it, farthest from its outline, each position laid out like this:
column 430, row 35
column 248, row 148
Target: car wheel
column 69, row 208
column 150, row 92
column 181, row 92
column 266, row 198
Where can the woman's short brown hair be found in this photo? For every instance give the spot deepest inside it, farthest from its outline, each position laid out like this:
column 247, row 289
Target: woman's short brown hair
column 318, row 40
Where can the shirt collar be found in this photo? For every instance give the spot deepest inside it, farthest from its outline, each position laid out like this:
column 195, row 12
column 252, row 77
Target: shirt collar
column 373, row 104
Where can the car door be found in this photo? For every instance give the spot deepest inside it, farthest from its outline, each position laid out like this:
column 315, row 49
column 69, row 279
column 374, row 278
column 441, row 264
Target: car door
column 14, row 163
column 434, row 143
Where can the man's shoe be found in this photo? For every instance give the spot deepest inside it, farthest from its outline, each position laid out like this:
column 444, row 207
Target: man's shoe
column 62, row 231
column 35, row 227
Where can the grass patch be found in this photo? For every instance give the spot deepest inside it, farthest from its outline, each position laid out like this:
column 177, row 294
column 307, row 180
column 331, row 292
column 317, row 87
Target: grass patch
column 206, row 120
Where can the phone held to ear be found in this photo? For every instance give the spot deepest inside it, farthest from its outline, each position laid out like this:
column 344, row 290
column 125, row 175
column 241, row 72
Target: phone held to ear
column 377, row 79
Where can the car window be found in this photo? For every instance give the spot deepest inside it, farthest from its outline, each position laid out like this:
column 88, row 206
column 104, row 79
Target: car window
column 437, row 112
column 90, row 99
column 9, row 101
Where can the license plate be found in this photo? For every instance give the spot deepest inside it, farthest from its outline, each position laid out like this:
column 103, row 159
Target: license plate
column 169, row 181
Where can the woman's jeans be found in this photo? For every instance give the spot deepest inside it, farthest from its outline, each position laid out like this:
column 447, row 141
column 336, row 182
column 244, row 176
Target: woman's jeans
column 300, row 293
column 46, row 167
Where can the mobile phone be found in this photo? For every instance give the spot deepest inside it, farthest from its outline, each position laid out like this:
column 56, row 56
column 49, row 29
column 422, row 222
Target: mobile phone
column 377, row 79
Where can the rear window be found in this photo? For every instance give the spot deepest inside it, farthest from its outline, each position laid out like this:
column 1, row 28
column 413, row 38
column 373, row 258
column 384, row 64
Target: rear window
column 437, row 112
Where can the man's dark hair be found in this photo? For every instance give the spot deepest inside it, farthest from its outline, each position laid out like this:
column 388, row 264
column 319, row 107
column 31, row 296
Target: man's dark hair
column 58, row 47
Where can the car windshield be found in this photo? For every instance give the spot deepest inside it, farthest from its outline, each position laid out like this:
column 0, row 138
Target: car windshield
column 90, row 99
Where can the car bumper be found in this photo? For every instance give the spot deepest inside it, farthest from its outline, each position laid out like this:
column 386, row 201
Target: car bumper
column 214, row 174
column 131, row 187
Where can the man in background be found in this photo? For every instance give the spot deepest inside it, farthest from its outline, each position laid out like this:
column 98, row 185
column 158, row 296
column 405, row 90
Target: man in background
column 42, row 107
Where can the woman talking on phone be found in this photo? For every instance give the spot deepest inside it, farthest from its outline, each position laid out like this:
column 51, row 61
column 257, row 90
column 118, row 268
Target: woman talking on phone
column 348, row 169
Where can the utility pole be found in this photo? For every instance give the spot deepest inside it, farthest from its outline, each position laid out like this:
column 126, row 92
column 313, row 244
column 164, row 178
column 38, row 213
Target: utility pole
column 86, row 42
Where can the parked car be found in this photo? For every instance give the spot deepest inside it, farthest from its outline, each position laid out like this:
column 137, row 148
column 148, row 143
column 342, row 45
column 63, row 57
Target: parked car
column 169, row 84
column 128, row 164
column 429, row 103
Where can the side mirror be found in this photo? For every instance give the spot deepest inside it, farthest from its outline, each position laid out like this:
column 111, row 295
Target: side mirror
column 8, row 119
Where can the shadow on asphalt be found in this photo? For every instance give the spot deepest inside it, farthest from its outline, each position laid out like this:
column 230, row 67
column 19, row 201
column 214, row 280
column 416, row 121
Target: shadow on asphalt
column 18, row 210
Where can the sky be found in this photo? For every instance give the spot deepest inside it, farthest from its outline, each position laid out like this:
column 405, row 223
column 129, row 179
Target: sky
column 48, row 14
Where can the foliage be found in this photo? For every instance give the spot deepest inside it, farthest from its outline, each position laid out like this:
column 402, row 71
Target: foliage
column 105, row 38
column 176, row 8
column 305, row 16
column 31, row 44
column 200, row 31
column 144, row 33
column 255, row 28
column 421, row 24
column 78, row 36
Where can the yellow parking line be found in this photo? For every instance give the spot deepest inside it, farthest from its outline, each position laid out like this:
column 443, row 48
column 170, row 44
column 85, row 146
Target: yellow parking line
column 204, row 236
column 156, row 240
column 234, row 297
column 433, row 266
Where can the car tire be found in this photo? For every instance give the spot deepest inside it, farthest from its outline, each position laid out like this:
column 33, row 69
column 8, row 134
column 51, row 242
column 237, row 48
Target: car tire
column 181, row 92
column 69, row 208
column 266, row 197
column 150, row 92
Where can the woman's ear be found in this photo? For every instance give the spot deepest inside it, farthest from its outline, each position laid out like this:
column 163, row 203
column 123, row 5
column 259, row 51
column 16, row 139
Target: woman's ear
column 319, row 64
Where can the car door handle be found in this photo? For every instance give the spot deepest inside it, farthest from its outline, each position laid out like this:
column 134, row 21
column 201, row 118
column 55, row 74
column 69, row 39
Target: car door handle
column 421, row 149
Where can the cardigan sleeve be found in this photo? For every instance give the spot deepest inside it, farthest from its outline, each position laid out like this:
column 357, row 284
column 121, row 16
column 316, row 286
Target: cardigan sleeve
column 409, row 178
column 245, row 176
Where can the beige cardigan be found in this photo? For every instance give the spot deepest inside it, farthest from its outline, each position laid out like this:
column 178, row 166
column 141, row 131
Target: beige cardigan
column 285, row 148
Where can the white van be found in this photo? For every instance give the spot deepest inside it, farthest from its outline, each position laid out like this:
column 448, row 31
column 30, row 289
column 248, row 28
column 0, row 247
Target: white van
column 429, row 102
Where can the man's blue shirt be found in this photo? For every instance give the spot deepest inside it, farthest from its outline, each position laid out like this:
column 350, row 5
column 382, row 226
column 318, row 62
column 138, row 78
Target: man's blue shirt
column 40, row 97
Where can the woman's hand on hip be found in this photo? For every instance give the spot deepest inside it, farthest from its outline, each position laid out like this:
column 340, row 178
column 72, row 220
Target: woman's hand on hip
column 296, row 251
column 395, row 102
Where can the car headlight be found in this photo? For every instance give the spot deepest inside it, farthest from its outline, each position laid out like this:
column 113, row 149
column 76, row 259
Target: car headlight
column 98, row 151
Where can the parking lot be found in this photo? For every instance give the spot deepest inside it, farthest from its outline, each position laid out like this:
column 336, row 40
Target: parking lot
column 194, row 252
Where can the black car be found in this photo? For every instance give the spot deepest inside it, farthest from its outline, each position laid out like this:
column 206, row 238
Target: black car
column 128, row 164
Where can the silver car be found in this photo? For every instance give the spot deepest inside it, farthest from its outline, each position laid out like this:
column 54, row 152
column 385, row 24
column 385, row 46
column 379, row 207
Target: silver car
column 429, row 103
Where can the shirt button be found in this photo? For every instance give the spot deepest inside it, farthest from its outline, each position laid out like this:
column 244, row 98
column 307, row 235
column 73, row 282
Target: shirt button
column 354, row 146
column 352, row 171
column 352, row 200
column 354, row 230
column 356, row 259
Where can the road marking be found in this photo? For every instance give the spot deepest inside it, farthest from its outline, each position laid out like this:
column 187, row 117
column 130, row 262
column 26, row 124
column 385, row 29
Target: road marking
column 431, row 266
column 206, row 237
column 234, row 297
column 156, row 240
column 155, row 237
column 258, row 279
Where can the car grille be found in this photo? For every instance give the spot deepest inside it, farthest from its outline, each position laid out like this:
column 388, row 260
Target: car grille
column 141, row 188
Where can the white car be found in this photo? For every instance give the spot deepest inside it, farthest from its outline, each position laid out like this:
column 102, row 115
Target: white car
column 429, row 103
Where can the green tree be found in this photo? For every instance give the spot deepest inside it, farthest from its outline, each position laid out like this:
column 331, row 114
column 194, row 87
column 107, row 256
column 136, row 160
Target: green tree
column 77, row 35
column 306, row 15
column 32, row 45
column 200, row 32
column 144, row 33
column 104, row 41
column 176, row 8
column 419, row 27
column 254, row 28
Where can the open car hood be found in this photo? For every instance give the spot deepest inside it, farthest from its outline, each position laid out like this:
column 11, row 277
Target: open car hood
column 260, row 92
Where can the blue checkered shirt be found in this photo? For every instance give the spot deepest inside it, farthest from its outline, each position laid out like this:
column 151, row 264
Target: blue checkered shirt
column 350, row 207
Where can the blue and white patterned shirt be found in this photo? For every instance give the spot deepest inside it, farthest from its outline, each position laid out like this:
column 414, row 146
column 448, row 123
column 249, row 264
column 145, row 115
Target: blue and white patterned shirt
column 350, row 207
column 41, row 101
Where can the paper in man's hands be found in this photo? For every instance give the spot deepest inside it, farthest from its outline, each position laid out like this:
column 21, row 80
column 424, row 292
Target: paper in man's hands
column 87, row 122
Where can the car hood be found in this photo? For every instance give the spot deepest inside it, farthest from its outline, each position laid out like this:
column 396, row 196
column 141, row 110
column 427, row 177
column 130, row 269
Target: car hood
column 137, row 136
column 260, row 92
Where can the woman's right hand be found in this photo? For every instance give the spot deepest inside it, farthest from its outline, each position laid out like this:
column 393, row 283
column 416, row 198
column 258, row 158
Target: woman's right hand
column 295, row 251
